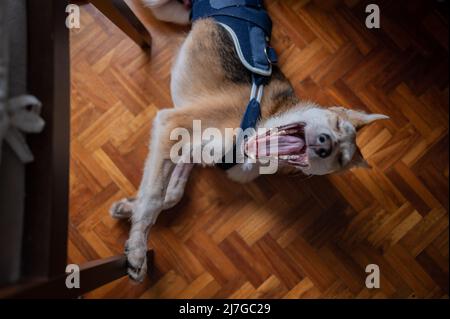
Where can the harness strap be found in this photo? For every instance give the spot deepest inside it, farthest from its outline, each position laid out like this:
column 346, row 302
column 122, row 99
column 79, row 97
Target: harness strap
column 253, row 111
column 251, row 117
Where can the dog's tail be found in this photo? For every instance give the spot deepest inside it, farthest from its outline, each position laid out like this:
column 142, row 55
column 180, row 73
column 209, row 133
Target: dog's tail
column 170, row 10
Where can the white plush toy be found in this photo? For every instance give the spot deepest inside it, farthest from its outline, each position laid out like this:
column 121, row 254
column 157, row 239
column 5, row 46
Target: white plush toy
column 17, row 116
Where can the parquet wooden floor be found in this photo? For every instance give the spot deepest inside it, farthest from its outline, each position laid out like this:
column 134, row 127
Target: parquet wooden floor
column 280, row 237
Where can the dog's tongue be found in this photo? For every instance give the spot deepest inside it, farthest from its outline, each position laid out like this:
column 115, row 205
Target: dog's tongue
column 273, row 146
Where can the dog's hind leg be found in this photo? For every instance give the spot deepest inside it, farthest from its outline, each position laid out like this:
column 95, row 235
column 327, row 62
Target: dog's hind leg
column 177, row 184
column 123, row 209
column 169, row 11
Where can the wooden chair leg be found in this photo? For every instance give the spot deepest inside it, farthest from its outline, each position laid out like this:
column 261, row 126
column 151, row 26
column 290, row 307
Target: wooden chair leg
column 123, row 17
column 93, row 274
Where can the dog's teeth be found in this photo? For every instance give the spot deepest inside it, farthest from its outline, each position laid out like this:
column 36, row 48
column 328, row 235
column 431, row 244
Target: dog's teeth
column 289, row 157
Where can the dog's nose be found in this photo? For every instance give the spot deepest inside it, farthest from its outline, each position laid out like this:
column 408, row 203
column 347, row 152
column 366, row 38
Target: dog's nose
column 324, row 145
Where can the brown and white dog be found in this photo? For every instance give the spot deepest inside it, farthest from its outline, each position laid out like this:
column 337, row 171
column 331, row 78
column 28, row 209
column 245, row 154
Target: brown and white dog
column 209, row 83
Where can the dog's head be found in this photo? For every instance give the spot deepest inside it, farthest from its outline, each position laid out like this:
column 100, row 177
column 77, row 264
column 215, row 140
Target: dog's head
column 315, row 140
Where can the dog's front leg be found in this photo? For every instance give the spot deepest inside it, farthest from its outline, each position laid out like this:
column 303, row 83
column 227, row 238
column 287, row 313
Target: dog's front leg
column 150, row 200
column 148, row 206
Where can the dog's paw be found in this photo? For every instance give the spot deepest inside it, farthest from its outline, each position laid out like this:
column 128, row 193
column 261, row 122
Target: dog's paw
column 136, row 261
column 122, row 209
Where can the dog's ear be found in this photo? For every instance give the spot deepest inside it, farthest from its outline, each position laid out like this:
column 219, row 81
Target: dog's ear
column 358, row 118
column 358, row 160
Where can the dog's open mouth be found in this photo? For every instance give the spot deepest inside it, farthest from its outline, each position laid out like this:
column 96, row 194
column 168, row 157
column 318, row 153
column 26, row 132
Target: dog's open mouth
column 286, row 143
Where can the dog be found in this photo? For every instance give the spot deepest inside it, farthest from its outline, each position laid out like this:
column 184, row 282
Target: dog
column 209, row 83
